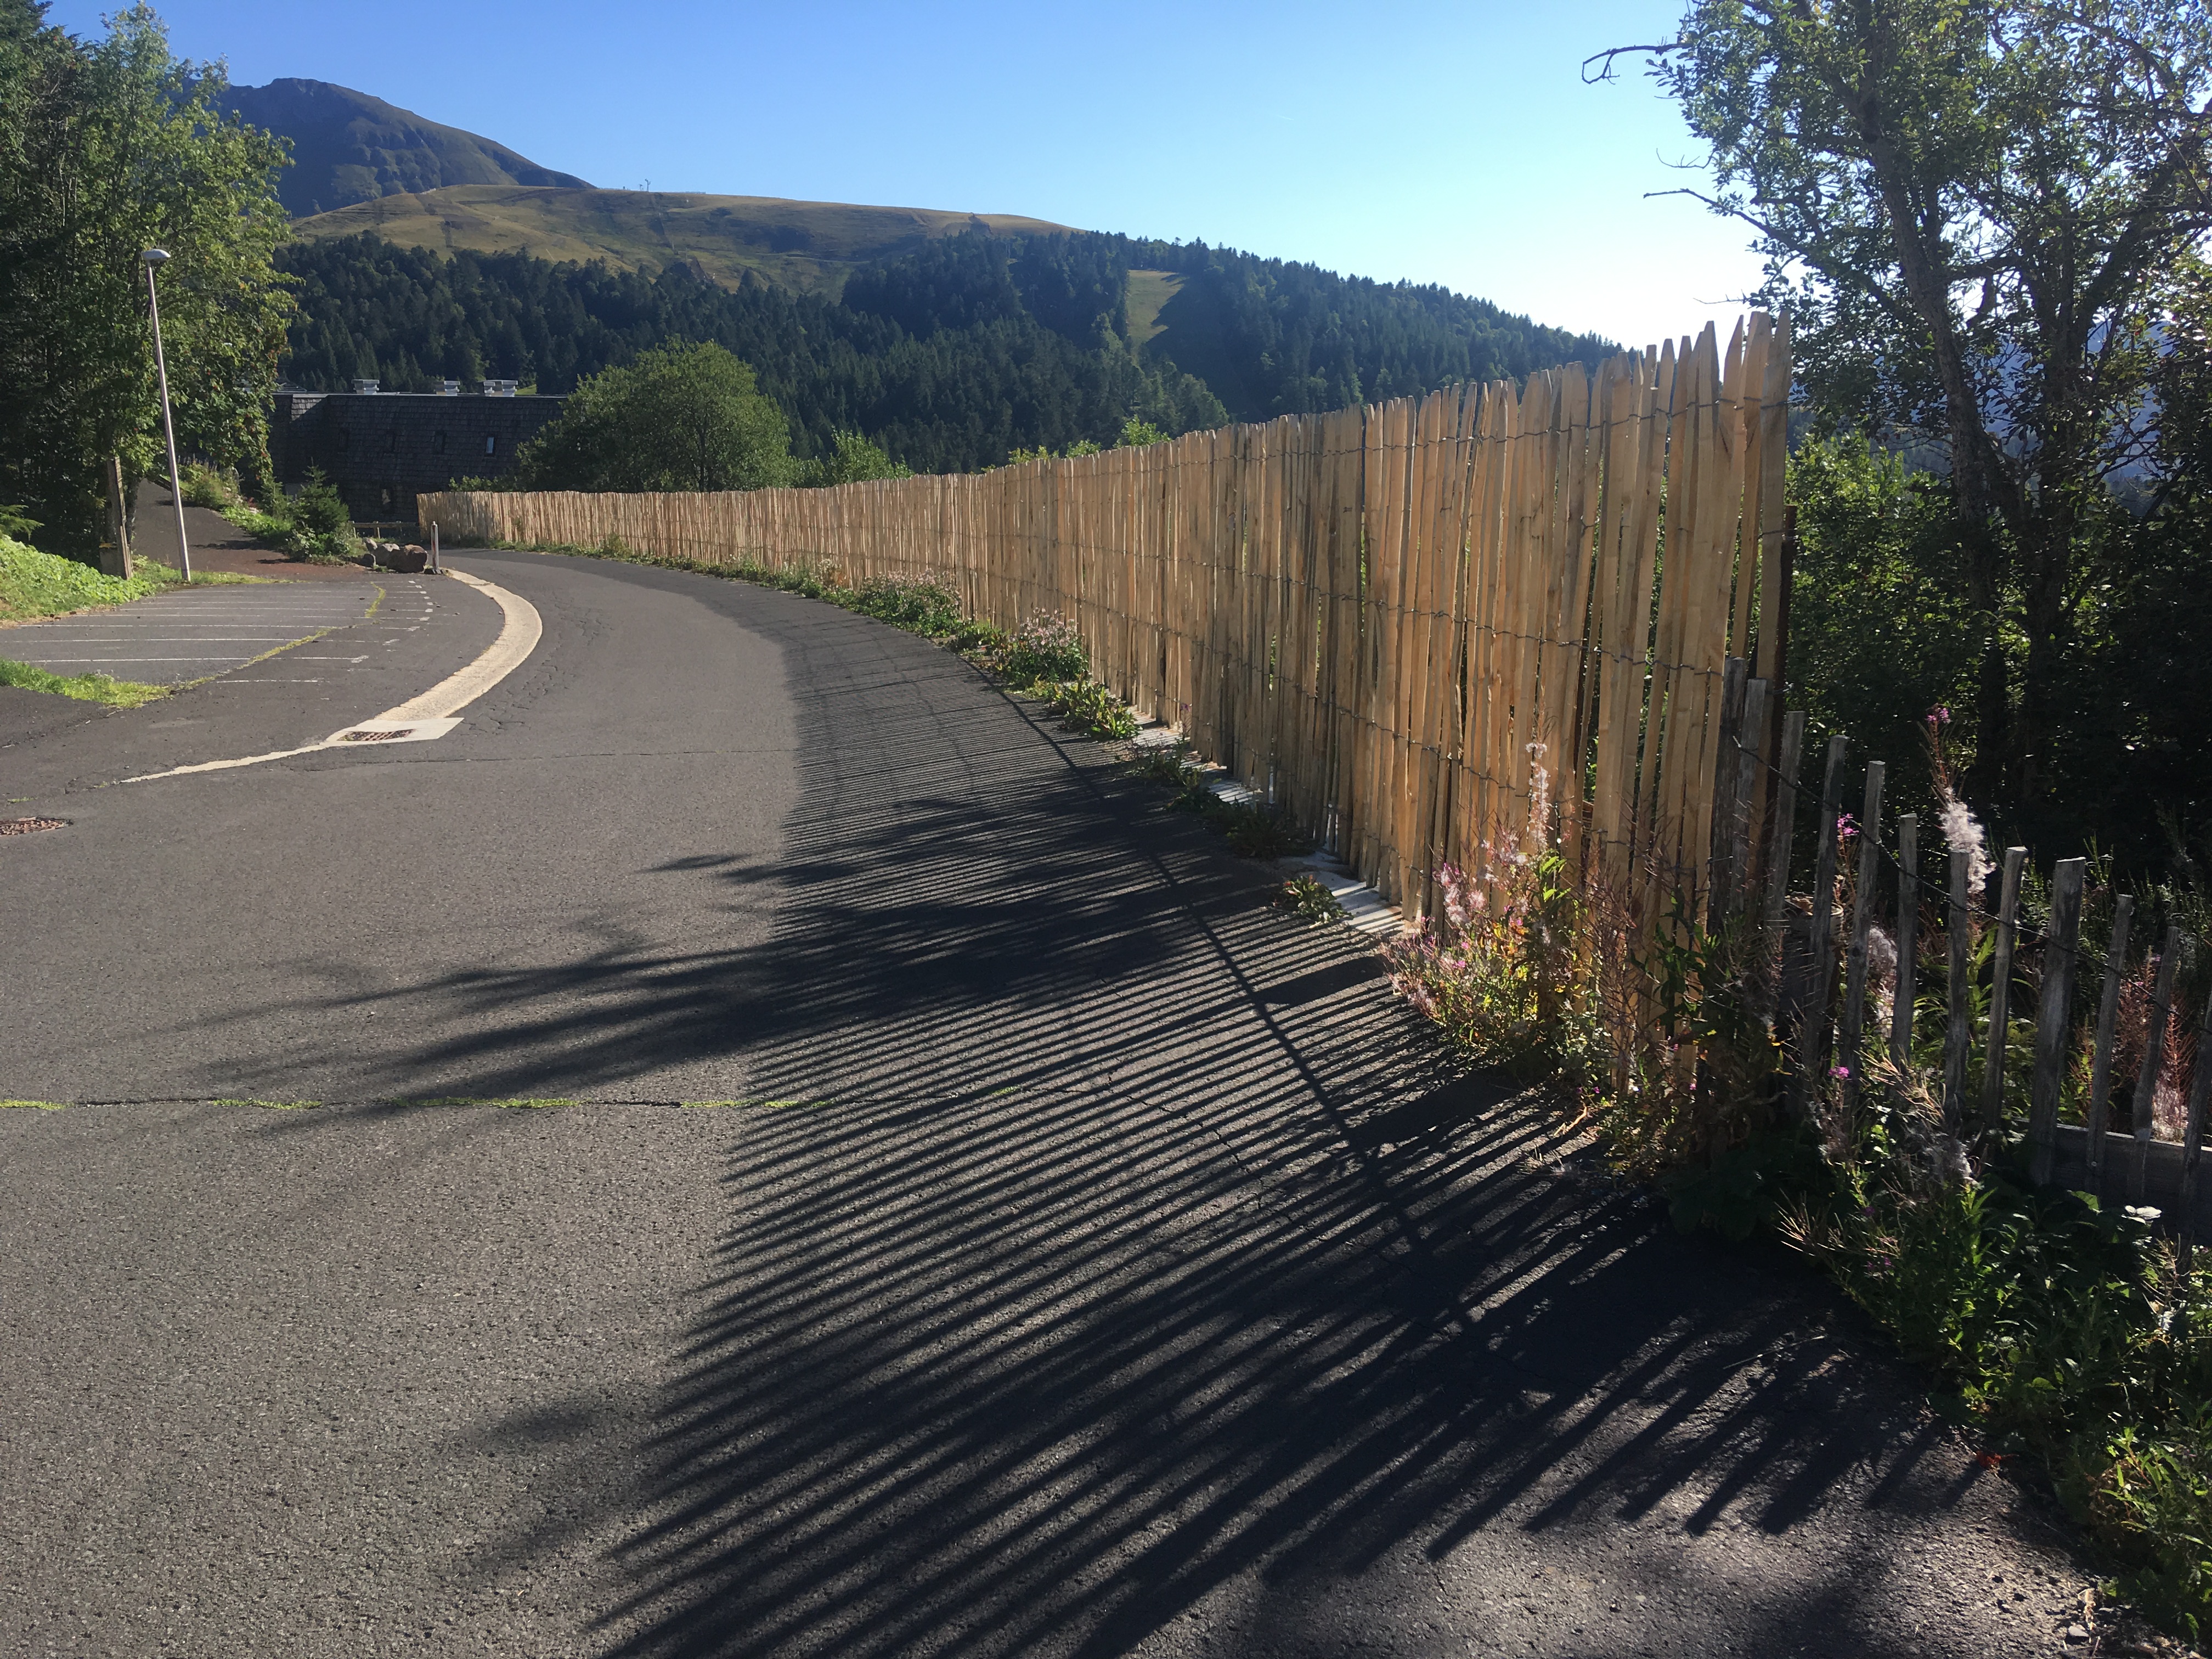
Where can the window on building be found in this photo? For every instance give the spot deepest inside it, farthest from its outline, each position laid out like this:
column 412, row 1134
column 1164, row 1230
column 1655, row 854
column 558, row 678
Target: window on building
column 491, row 446
column 437, row 443
column 391, row 441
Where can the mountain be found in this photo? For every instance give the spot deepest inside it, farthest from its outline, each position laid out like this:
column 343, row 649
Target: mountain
column 348, row 147
column 423, row 253
column 809, row 247
column 950, row 356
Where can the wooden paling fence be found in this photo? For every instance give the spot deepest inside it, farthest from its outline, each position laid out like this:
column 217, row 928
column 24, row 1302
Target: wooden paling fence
column 1395, row 621
column 1408, row 623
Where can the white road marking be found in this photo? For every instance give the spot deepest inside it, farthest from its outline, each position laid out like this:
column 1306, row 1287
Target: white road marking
column 518, row 633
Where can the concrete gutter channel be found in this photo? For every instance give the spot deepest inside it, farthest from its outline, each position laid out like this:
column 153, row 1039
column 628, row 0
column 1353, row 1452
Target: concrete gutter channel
column 1366, row 910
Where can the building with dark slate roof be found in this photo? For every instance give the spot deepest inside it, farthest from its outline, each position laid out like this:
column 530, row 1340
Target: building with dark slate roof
column 382, row 449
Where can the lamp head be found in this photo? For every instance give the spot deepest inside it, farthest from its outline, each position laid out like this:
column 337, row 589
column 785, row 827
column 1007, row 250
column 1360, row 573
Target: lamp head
column 155, row 256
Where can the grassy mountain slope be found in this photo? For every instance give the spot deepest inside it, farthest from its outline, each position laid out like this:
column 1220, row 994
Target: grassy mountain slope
column 807, row 246
column 348, row 147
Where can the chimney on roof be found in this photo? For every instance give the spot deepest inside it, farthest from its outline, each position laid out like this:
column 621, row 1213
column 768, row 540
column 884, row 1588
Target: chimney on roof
column 499, row 388
column 367, row 388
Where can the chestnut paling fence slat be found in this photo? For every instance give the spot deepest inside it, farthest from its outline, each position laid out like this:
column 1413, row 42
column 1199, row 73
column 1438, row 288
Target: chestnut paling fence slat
column 1389, row 619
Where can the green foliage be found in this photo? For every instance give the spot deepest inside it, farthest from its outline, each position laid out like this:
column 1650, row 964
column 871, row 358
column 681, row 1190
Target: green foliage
column 1269, row 336
column 852, row 459
column 1304, row 897
column 1878, row 622
column 984, row 641
column 920, row 605
column 318, row 508
column 109, row 147
column 1494, row 971
column 84, row 688
column 1252, row 831
column 206, row 486
column 1075, row 451
column 952, row 399
column 682, row 418
column 1986, row 224
column 1169, row 764
column 2061, row 1329
column 1136, row 433
column 2053, row 1328
column 1045, row 648
column 16, row 524
column 315, row 527
column 949, row 358
column 35, row 584
column 1087, row 706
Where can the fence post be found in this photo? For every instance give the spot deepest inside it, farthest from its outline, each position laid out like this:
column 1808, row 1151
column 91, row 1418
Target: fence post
column 1726, row 762
column 2108, row 1021
column 1751, row 757
column 2055, row 1021
column 1958, row 1036
column 2161, row 999
column 1785, row 827
column 1908, row 941
column 2192, row 1146
column 1855, row 975
column 2000, row 1024
column 1813, row 1035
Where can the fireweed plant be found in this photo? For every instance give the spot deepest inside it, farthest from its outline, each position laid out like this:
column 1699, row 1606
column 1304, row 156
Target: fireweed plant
column 2057, row 1329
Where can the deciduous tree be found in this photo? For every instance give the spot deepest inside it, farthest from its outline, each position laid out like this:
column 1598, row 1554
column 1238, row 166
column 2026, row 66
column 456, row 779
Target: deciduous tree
column 680, row 418
column 108, row 147
column 1981, row 217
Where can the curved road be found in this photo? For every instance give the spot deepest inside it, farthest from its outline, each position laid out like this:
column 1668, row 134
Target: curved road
column 1058, row 1254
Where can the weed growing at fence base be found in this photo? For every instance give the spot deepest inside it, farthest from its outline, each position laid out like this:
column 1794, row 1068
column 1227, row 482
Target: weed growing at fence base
column 1252, row 831
column 1304, row 897
column 1086, row 707
column 1045, row 648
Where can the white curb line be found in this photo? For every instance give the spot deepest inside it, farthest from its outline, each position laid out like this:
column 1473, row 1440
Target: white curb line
column 433, row 714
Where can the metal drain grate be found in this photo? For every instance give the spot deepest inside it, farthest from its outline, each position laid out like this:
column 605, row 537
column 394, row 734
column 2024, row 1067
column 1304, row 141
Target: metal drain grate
column 28, row 826
column 377, row 737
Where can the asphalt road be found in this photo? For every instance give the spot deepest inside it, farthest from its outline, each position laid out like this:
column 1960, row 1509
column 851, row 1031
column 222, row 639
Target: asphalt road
column 1059, row 1254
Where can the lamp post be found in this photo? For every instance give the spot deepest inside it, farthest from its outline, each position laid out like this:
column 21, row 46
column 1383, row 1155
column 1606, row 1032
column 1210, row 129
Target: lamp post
column 154, row 257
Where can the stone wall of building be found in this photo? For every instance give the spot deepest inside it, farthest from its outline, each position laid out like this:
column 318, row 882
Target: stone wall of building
column 383, row 449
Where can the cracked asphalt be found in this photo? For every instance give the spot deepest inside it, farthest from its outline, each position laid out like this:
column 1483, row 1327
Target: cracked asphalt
column 1060, row 1253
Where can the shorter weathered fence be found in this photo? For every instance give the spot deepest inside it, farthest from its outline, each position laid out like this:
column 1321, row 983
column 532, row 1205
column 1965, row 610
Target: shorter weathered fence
column 2048, row 1005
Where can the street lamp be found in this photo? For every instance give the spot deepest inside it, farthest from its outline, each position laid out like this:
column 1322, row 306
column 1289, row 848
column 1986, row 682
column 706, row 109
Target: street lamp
column 154, row 257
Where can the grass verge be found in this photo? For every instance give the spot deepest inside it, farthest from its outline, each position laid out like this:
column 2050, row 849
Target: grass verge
column 34, row 583
column 85, row 688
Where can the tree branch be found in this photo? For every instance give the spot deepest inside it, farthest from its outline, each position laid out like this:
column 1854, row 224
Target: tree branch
column 1604, row 59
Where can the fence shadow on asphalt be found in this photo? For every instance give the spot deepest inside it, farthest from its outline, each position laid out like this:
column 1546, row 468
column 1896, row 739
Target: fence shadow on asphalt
column 1121, row 1238
column 1116, row 1238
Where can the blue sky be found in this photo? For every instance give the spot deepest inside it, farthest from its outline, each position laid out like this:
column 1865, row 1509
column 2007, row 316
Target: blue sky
column 1453, row 144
